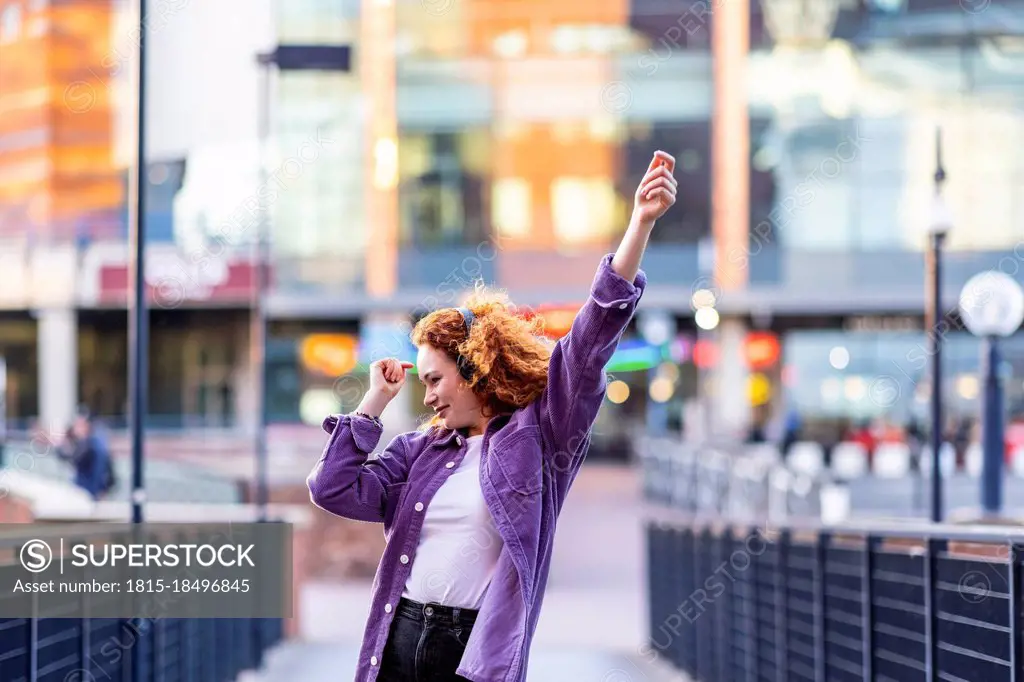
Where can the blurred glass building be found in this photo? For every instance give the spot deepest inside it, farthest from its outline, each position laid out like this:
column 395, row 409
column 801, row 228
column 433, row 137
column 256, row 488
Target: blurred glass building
column 504, row 140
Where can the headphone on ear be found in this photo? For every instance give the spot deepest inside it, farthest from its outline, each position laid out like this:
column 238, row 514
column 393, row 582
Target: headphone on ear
column 465, row 366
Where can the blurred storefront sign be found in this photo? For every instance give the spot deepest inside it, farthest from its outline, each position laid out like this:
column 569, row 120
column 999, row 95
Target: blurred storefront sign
column 887, row 323
column 16, row 292
column 705, row 354
column 762, row 350
column 37, row 278
column 557, row 319
column 330, row 354
column 634, row 355
column 175, row 280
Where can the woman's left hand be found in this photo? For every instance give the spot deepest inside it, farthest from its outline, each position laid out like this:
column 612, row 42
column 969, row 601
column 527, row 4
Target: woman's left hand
column 657, row 191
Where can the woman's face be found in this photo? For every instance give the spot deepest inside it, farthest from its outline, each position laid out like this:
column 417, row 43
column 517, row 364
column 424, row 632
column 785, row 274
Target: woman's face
column 447, row 394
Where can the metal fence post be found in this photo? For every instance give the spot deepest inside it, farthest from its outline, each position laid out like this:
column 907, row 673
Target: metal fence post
column 33, row 641
column 930, row 611
column 1013, row 575
column 868, row 609
column 820, row 579
column 753, row 600
column 723, row 645
column 782, row 649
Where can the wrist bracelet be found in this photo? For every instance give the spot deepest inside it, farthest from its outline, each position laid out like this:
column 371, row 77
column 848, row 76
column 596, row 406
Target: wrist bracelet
column 376, row 420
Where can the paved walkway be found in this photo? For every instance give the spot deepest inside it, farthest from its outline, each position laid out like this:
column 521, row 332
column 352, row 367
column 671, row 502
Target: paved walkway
column 325, row 662
column 593, row 621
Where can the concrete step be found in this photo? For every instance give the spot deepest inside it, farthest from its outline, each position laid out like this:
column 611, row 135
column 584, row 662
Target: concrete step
column 166, row 481
column 330, row 662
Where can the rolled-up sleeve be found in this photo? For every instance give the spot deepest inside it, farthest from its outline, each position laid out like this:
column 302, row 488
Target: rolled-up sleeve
column 346, row 481
column 576, row 377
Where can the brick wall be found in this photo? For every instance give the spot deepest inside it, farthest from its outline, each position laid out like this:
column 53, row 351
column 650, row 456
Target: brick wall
column 15, row 510
column 339, row 549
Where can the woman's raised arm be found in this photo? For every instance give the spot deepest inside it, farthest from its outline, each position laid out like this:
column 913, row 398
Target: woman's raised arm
column 576, row 378
column 654, row 196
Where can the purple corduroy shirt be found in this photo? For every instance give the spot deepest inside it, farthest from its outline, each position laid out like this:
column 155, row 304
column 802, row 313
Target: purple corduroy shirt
column 528, row 461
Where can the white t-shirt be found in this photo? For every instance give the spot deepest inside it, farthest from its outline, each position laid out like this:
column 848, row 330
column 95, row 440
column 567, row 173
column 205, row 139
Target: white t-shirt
column 459, row 543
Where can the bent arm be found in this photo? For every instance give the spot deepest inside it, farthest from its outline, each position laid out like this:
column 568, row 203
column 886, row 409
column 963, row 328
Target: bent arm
column 345, row 481
column 576, row 377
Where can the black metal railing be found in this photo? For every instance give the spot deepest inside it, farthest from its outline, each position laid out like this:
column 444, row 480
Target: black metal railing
column 51, row 648
column 888, row 602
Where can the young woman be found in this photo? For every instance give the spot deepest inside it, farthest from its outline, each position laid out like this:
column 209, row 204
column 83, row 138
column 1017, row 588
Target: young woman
column 469, row 502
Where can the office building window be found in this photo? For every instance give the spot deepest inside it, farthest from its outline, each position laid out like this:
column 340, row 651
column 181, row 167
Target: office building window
column 689, row 221
column 316, row 179
column 670, row 27
column 512, row 208
column 327, row 21
column 583, row 209
column 443, row 188
column 10, row 23
column 843, row 130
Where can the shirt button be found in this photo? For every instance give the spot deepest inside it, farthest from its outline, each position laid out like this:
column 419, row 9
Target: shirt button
column 387, row 608
column 623, row 306
column 419, row 506
column 404, row 558
column 373, row 660
column 458, row 440
column 449, row 465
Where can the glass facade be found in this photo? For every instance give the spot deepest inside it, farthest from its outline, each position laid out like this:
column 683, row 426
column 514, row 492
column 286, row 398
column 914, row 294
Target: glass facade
column 196, row 359
column 510, row 125
column 443, row 189
column 315, row 186
column 20, row 351
column 59, row 181
column 836, row 375
column 301, row 389
column 521, row 130
column 844, row 100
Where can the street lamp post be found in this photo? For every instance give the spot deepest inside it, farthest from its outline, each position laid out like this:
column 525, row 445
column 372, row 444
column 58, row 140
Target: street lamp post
column 283, row 58
column 992, row 305
column 138, row 331
column 939, row 226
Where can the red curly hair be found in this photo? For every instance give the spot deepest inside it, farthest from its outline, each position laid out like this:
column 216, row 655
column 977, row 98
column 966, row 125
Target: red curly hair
column 508, row 353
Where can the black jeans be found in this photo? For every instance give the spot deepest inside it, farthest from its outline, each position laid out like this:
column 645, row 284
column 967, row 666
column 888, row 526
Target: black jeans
column 425, row 643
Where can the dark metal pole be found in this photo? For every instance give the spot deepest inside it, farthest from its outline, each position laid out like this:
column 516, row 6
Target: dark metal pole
column 259, row 323
column 992, row 430
column 935, row 337
column 935, row 341
column 138, row 333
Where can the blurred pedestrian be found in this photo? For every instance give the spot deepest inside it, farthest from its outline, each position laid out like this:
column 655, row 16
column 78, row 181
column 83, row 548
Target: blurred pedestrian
column 469, row 501
column 85, row 447
column 791, row 429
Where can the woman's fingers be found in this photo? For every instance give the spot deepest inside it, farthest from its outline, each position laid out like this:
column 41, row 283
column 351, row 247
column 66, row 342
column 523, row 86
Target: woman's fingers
column 385, row 369
column 661, row 158
column 660, row 193
column 657, row 183
column 659, row 172
column 394, row 370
